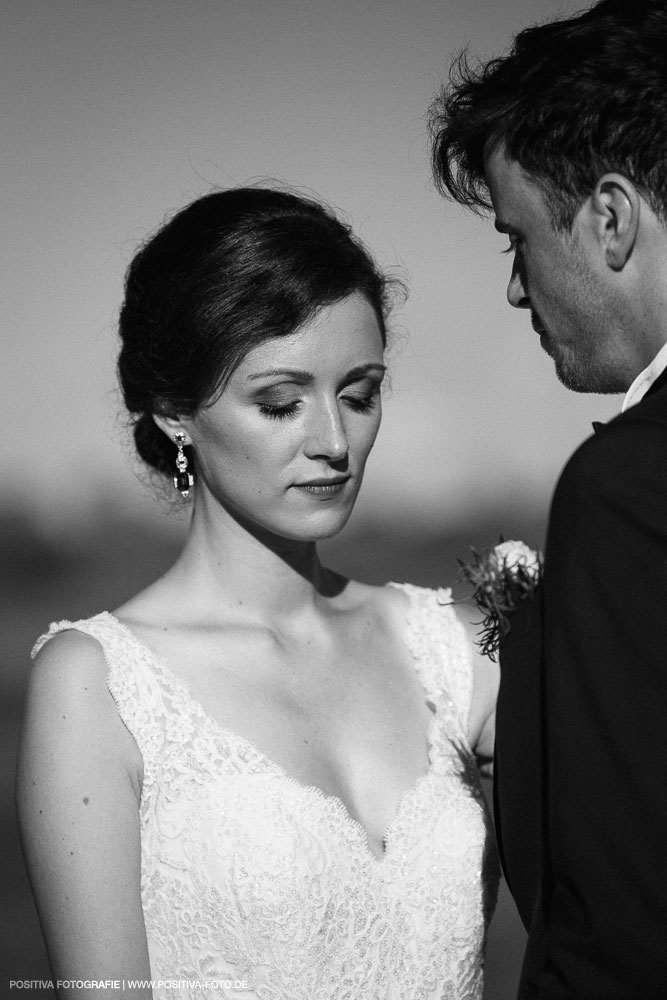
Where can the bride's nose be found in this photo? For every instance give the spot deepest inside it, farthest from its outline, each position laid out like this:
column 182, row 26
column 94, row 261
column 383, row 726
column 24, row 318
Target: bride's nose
column 326, row 437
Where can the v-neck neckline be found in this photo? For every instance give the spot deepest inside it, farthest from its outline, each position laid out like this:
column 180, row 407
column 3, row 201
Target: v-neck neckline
column 162, row 669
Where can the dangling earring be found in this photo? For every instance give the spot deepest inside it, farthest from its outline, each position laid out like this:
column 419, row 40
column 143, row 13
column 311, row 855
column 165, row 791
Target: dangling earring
column 184, row 479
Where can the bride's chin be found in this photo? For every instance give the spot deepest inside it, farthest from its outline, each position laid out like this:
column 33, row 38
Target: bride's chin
column 319, row 527
column 303, row 531
column 319, row 532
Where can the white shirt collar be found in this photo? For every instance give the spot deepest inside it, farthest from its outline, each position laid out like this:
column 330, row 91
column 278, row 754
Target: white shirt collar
column 645, row 379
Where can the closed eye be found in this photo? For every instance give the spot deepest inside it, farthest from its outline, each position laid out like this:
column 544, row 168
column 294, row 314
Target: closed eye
column 363, row 396
column 361, row 404
column 279, row 412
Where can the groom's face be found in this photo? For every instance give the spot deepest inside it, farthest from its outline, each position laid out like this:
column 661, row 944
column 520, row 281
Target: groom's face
column 556, row 276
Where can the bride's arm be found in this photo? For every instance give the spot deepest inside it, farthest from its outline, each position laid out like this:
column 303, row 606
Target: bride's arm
column 78, row 787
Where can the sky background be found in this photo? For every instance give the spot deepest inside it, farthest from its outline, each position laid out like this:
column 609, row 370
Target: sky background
column 115, row 114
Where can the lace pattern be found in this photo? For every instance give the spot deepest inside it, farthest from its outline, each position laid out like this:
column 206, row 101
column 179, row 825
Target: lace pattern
column 267, row 887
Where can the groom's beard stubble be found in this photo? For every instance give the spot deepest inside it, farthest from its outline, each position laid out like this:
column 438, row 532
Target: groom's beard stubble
column 585, row 369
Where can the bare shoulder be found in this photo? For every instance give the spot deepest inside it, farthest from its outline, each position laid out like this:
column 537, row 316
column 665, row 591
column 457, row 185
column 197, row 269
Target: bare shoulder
column 69, row 667
column 70, row 650
column 69, row 706
column 396, row 601
column 385, row 603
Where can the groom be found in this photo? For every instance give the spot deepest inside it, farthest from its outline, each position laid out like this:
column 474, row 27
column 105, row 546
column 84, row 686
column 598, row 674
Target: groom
column 565, row 138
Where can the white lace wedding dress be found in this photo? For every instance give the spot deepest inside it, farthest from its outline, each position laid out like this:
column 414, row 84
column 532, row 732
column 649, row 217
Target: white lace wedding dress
column 256, row 887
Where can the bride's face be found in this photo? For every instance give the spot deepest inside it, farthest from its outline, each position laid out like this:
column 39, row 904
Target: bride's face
column 283, row 448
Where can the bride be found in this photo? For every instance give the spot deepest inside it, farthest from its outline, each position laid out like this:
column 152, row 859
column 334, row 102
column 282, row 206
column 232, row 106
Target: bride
column 257, row 778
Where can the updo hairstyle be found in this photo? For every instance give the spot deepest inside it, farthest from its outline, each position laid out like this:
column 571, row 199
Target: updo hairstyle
column 228, row 272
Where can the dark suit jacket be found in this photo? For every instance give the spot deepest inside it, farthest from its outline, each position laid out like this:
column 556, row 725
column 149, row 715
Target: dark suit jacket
column 581, row 765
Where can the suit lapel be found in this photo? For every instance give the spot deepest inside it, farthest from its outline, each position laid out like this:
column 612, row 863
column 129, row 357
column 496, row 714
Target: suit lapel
column 518, row 774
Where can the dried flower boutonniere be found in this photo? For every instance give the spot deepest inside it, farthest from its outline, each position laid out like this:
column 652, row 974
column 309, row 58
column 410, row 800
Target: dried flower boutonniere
column 500, row 577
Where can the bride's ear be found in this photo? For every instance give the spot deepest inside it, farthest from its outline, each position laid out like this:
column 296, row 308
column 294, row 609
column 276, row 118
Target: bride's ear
column 171, row 423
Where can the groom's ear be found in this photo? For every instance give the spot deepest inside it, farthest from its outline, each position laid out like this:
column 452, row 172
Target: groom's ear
column 617, row 208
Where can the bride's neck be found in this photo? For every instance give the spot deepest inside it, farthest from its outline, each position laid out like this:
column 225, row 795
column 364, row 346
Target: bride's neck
column 226, row 565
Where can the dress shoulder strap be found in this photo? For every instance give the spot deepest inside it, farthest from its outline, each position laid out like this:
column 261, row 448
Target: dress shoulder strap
column 131, row 680
column 442, row 649
column 103, row 627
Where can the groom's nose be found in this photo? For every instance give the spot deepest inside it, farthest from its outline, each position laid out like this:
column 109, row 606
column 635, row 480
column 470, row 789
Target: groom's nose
column 517, row 294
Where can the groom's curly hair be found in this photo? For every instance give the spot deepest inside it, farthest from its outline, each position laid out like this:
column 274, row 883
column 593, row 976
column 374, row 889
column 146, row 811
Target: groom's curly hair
column 571, row 100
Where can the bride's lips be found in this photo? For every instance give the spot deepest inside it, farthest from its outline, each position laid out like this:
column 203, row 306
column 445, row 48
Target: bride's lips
column 325, row 487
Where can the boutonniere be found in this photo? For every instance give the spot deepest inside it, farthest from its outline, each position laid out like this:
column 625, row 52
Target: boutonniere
column 501, row 578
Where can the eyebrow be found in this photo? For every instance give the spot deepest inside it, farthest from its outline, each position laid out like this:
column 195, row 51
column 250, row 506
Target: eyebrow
column 502, row 227
column 305, row 378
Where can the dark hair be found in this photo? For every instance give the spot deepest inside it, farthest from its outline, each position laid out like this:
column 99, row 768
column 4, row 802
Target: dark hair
column 226, row 273
column 572, row 100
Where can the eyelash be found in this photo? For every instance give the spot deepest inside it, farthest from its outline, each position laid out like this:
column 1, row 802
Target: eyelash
column 278, row 412
column 358, row 405
column 512, row 248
